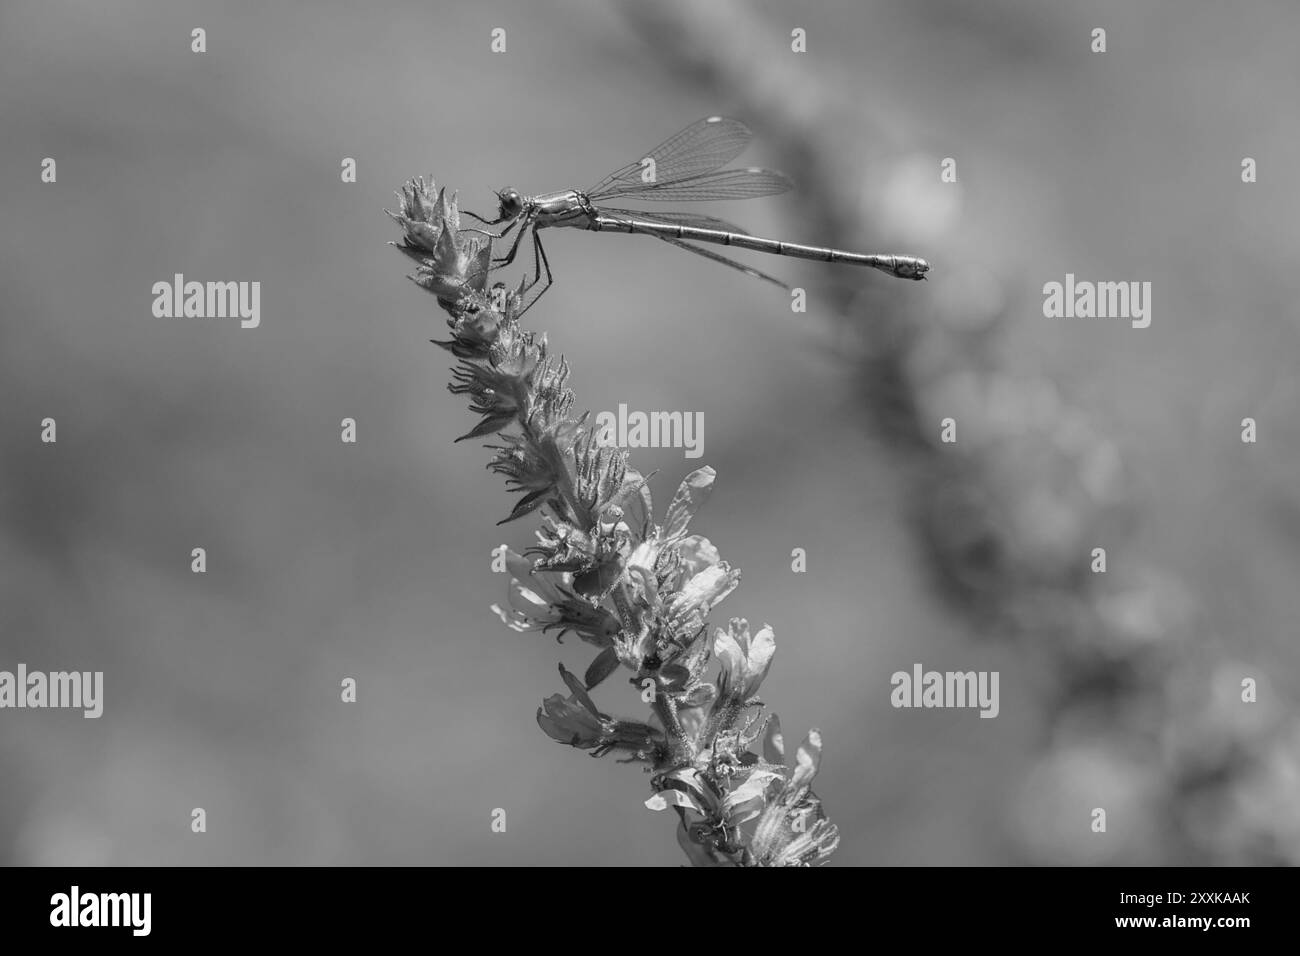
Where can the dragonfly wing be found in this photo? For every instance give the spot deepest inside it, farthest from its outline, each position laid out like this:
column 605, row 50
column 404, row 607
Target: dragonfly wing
column 677, row 219
column 705, row 145
column 710, row 254
column 718, row 184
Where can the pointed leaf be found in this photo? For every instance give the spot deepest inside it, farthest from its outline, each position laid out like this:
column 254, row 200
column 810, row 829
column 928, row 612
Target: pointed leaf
column 482, row 266
column 605, row 663
column 490, row 425
column 422, row 234
column 527, row 504
column 447, row 211
column 445, row 251
column 578, row 689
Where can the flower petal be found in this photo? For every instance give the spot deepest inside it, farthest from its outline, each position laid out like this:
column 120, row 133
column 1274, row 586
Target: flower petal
column 773, row 742
column 697, row 553
column 807, row 760
column 729, row 654
column 643, row 557
column 707, row 588
column 751, row 790
column 691, row 495
column 761, row 649
column 531, row 605
column 701, row 695
column 635, row 501
column 518, row 566
column 515, row 620
column 672, row 798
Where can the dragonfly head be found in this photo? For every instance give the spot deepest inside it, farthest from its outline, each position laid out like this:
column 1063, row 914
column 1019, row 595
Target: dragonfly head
column 512, row 203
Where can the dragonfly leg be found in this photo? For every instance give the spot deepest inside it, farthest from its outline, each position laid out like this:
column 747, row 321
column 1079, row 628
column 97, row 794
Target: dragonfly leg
column 502, row 216
column 509, row 257
column 539, row 262
column 487, row 222
column 485, row 232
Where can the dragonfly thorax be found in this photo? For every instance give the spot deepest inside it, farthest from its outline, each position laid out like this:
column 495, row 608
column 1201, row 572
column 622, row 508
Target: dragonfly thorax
column 568, row 207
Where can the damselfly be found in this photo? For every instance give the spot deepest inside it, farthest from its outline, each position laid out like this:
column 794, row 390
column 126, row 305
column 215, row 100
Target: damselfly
column 685, row 167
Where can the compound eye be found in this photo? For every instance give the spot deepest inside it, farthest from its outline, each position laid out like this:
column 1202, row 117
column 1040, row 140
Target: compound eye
column 511, row 201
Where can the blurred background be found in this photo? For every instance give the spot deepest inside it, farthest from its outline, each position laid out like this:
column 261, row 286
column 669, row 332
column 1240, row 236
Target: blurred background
column 372, row 561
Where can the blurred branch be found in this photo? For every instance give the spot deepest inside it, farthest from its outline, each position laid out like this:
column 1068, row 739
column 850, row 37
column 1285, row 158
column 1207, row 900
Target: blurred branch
column 1009, row 514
